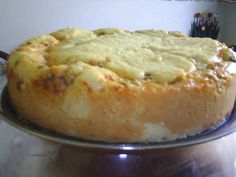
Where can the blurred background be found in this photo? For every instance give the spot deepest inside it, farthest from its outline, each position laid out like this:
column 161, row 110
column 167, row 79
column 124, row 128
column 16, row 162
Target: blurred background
column 23, row 19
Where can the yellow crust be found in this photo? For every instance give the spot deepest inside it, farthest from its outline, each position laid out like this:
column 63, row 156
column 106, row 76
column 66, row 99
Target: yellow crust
column 93, row 101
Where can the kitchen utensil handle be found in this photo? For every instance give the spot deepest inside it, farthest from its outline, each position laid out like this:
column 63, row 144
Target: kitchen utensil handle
column 3, row 61
column 3, row 55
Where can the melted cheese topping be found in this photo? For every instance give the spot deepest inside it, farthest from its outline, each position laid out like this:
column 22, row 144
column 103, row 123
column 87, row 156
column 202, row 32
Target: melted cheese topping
column 136, row 55
column 149, row 54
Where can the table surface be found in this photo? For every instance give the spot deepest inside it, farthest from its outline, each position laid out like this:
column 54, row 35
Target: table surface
column 24, row 155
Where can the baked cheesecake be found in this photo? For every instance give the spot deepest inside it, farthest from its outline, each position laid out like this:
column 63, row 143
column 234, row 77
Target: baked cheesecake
column 122, row 86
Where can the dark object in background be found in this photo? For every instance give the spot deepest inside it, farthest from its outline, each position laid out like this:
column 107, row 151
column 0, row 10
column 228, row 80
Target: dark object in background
column 205, row 25
column 233, row 47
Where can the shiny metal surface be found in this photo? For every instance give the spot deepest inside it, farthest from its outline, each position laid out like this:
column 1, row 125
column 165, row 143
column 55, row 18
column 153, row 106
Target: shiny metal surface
column 2, row 66
column 24, row 155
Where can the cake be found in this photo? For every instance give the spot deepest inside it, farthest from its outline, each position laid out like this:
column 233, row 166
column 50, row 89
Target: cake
column 121, row 86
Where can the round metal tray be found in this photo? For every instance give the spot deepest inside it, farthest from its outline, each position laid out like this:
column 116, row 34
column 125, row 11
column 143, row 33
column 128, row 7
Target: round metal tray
column 7, row 112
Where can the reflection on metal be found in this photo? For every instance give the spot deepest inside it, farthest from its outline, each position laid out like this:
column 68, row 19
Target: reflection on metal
column 123, row 156
column 2, row 66
column 23, row 155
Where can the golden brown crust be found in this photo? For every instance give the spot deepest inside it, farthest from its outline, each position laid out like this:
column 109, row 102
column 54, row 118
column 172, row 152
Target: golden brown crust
column 114, row 108
column 120, row 115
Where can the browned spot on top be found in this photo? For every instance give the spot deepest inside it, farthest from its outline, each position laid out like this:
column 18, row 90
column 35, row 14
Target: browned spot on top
column 52, row 83
column 110, row 77
column 95, row 63
column 19, row 84
column 177, row 79
column 56, row 84
column 147, row 76
column 108, row 59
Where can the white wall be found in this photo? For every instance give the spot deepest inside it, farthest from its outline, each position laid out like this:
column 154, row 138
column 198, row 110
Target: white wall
column 228, row 24
column 22, row 19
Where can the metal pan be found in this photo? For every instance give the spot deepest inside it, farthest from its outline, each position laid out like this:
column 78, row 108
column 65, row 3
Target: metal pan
column 7, row 112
